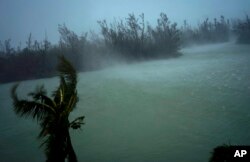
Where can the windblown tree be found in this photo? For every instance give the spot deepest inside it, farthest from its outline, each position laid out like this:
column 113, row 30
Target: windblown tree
column 165, row 36
column 135, row 40
column 53, row 113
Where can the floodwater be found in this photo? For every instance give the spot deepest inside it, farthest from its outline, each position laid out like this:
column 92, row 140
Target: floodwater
column 174, row 110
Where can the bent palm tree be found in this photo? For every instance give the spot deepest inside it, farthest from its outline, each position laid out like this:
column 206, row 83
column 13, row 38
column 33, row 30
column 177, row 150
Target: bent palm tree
column 53, row 113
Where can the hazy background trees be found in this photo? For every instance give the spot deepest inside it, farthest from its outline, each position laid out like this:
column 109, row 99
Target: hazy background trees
column 129, row 39
column 242, row 30
column 209, row 31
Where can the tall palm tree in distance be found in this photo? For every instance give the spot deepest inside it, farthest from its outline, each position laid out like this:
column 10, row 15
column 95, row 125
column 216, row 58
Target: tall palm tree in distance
column 52, row 113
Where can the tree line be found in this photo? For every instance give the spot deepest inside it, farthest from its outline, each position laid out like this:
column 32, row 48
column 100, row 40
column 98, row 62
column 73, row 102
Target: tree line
column 207, row 32
column 132, row 39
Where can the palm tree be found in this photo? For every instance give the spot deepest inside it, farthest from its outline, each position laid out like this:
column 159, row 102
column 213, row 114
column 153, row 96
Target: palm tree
column 53, row 113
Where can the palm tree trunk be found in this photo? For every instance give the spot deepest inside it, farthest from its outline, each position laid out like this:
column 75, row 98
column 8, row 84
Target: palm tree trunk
column 56, row 149
column 71, row 153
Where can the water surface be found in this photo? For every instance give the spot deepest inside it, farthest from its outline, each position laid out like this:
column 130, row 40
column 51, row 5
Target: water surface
column 166, row 110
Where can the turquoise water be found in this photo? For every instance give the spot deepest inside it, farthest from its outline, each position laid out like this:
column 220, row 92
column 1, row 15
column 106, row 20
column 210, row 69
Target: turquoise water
column 173, row 110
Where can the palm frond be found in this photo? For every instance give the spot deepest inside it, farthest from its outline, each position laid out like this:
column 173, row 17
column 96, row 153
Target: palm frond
column 13, row 92
column 32, row 108
column 39, row 90
column 76, row 124
column 26, row 108
column 71, row 103
column 59, row 93
column 40, row 95
column 68, row 72
column 68, row 81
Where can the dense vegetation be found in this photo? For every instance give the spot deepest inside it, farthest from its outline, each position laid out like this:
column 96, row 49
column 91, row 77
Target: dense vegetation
column 207, row 32
column 242, row 29
column 135, row 40
column 129, row 39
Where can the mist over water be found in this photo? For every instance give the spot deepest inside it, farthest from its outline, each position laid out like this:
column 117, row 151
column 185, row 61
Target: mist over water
column 166, row 110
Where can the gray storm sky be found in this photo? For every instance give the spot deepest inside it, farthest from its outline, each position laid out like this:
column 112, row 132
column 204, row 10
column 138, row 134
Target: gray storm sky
column 20, row 17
